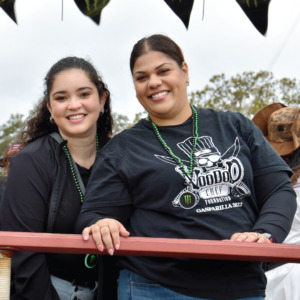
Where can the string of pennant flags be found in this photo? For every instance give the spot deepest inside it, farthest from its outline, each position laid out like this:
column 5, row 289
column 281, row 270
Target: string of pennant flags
column 255, row 10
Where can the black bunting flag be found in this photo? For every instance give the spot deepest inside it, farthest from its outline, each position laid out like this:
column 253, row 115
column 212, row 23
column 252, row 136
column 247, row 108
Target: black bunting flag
column 257, row 12
column 8, row 7
column 182, row 8
column 92, row 8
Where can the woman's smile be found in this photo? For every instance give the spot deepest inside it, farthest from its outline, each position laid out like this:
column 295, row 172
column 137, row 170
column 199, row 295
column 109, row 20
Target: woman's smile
column 158, row 96
column 76, row 118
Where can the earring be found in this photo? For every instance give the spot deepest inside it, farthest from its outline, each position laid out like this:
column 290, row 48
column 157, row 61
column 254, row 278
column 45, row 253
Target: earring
column 187, row 83
column 51, row 120
column 102, row 112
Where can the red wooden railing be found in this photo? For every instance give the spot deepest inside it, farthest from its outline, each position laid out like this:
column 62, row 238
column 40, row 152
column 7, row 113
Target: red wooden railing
column 138, row 246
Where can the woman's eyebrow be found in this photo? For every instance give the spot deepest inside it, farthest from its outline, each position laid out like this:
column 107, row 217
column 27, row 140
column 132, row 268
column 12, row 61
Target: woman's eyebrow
column 78, row 90
column 159, row 66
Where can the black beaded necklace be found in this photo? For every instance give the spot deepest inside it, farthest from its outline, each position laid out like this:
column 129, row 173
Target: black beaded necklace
column 169, row 150
column 74, row 170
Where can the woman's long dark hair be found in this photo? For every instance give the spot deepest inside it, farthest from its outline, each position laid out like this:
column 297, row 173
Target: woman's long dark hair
column 39, row 123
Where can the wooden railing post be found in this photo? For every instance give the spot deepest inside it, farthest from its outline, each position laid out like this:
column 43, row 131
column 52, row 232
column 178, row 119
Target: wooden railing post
column 5, row 270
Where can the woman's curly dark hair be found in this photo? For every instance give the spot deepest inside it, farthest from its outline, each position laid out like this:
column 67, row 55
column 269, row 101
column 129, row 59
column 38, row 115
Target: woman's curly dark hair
column 38, row 123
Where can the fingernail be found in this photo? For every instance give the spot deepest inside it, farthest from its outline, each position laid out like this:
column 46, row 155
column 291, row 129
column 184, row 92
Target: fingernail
column 111, row 251
column 100, row 247
column 86, row 237
column 117, row 246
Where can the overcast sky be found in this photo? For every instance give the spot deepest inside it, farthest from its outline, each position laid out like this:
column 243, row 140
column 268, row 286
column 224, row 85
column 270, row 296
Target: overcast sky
column 225, row 41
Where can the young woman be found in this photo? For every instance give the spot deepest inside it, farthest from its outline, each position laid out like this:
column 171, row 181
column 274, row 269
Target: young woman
column 185, row 173
column 280, row 125
column 47, row 179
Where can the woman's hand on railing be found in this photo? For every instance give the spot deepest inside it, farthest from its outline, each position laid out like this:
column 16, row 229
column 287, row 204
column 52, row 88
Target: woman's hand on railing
column 106, row 233
column 251, row 237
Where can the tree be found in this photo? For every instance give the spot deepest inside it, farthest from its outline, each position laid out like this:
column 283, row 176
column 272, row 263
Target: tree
column 120, row 123
column 10, row 131
column 138, row 116
column 247, row 92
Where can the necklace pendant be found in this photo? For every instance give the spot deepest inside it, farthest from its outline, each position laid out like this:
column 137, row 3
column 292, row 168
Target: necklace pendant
column 188, row 199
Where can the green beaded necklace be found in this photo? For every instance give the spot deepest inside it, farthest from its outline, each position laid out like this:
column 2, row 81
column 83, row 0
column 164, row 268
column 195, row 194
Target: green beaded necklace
column 74, row 170
column 169, row 150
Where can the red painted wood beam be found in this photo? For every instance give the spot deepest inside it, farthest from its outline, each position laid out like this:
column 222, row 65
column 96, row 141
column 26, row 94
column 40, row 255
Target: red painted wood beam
column 141, row 246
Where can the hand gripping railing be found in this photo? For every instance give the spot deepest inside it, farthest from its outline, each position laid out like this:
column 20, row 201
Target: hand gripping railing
column 138, row 246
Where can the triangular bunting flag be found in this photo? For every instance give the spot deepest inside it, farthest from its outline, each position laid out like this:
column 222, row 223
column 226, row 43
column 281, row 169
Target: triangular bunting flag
column 8, row 7
column 182, row 8
column 92, row 8
column 257, row 12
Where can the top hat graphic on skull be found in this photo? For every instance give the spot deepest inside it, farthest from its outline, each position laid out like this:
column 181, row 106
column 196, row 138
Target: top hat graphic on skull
column 206, row 154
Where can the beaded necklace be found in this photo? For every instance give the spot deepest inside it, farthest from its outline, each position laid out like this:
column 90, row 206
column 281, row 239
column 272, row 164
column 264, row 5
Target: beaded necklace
column 75, row 173
column 169, row 150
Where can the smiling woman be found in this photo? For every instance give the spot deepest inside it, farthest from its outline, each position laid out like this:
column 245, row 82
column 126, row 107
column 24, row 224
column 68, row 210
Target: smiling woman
column 47, row 179
column 75, row 106
column 185, row 172
column 160, row 85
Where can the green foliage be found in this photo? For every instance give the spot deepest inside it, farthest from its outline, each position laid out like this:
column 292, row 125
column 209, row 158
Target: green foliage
column 247, row 92
column 121, row 122
column 10, row 131
column 138, row 116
